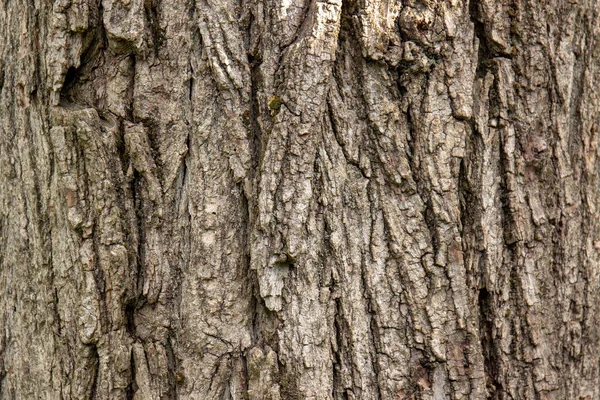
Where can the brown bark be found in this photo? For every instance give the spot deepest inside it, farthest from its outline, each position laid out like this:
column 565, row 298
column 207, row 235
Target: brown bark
column 277, row 199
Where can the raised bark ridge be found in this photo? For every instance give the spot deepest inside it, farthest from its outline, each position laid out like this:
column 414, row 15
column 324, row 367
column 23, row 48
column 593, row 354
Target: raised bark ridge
column 299, row 199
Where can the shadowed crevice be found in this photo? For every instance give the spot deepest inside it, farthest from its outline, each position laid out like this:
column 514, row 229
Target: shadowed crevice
column 486, row 331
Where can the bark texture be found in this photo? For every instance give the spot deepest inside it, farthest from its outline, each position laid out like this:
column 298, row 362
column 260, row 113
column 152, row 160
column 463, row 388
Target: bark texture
column 299, row 199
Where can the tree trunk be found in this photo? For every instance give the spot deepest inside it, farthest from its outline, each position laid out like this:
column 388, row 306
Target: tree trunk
column 310, row 199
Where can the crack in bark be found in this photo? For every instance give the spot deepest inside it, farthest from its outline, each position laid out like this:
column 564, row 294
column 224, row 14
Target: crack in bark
column 373, row 328
column 484, row 52
column 131, row 388
column 96, row 360
column 172, row 373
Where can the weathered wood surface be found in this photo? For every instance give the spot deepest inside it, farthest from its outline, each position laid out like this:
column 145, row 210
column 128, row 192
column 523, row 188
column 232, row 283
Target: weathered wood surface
column 277, row 199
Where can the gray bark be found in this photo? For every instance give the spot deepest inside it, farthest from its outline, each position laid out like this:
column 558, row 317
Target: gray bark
column 299, row 199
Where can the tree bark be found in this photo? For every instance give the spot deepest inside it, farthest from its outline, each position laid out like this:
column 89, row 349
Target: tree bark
column 309, row 199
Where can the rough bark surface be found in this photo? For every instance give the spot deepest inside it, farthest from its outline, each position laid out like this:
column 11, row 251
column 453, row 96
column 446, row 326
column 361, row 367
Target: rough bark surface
column 299, row 199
